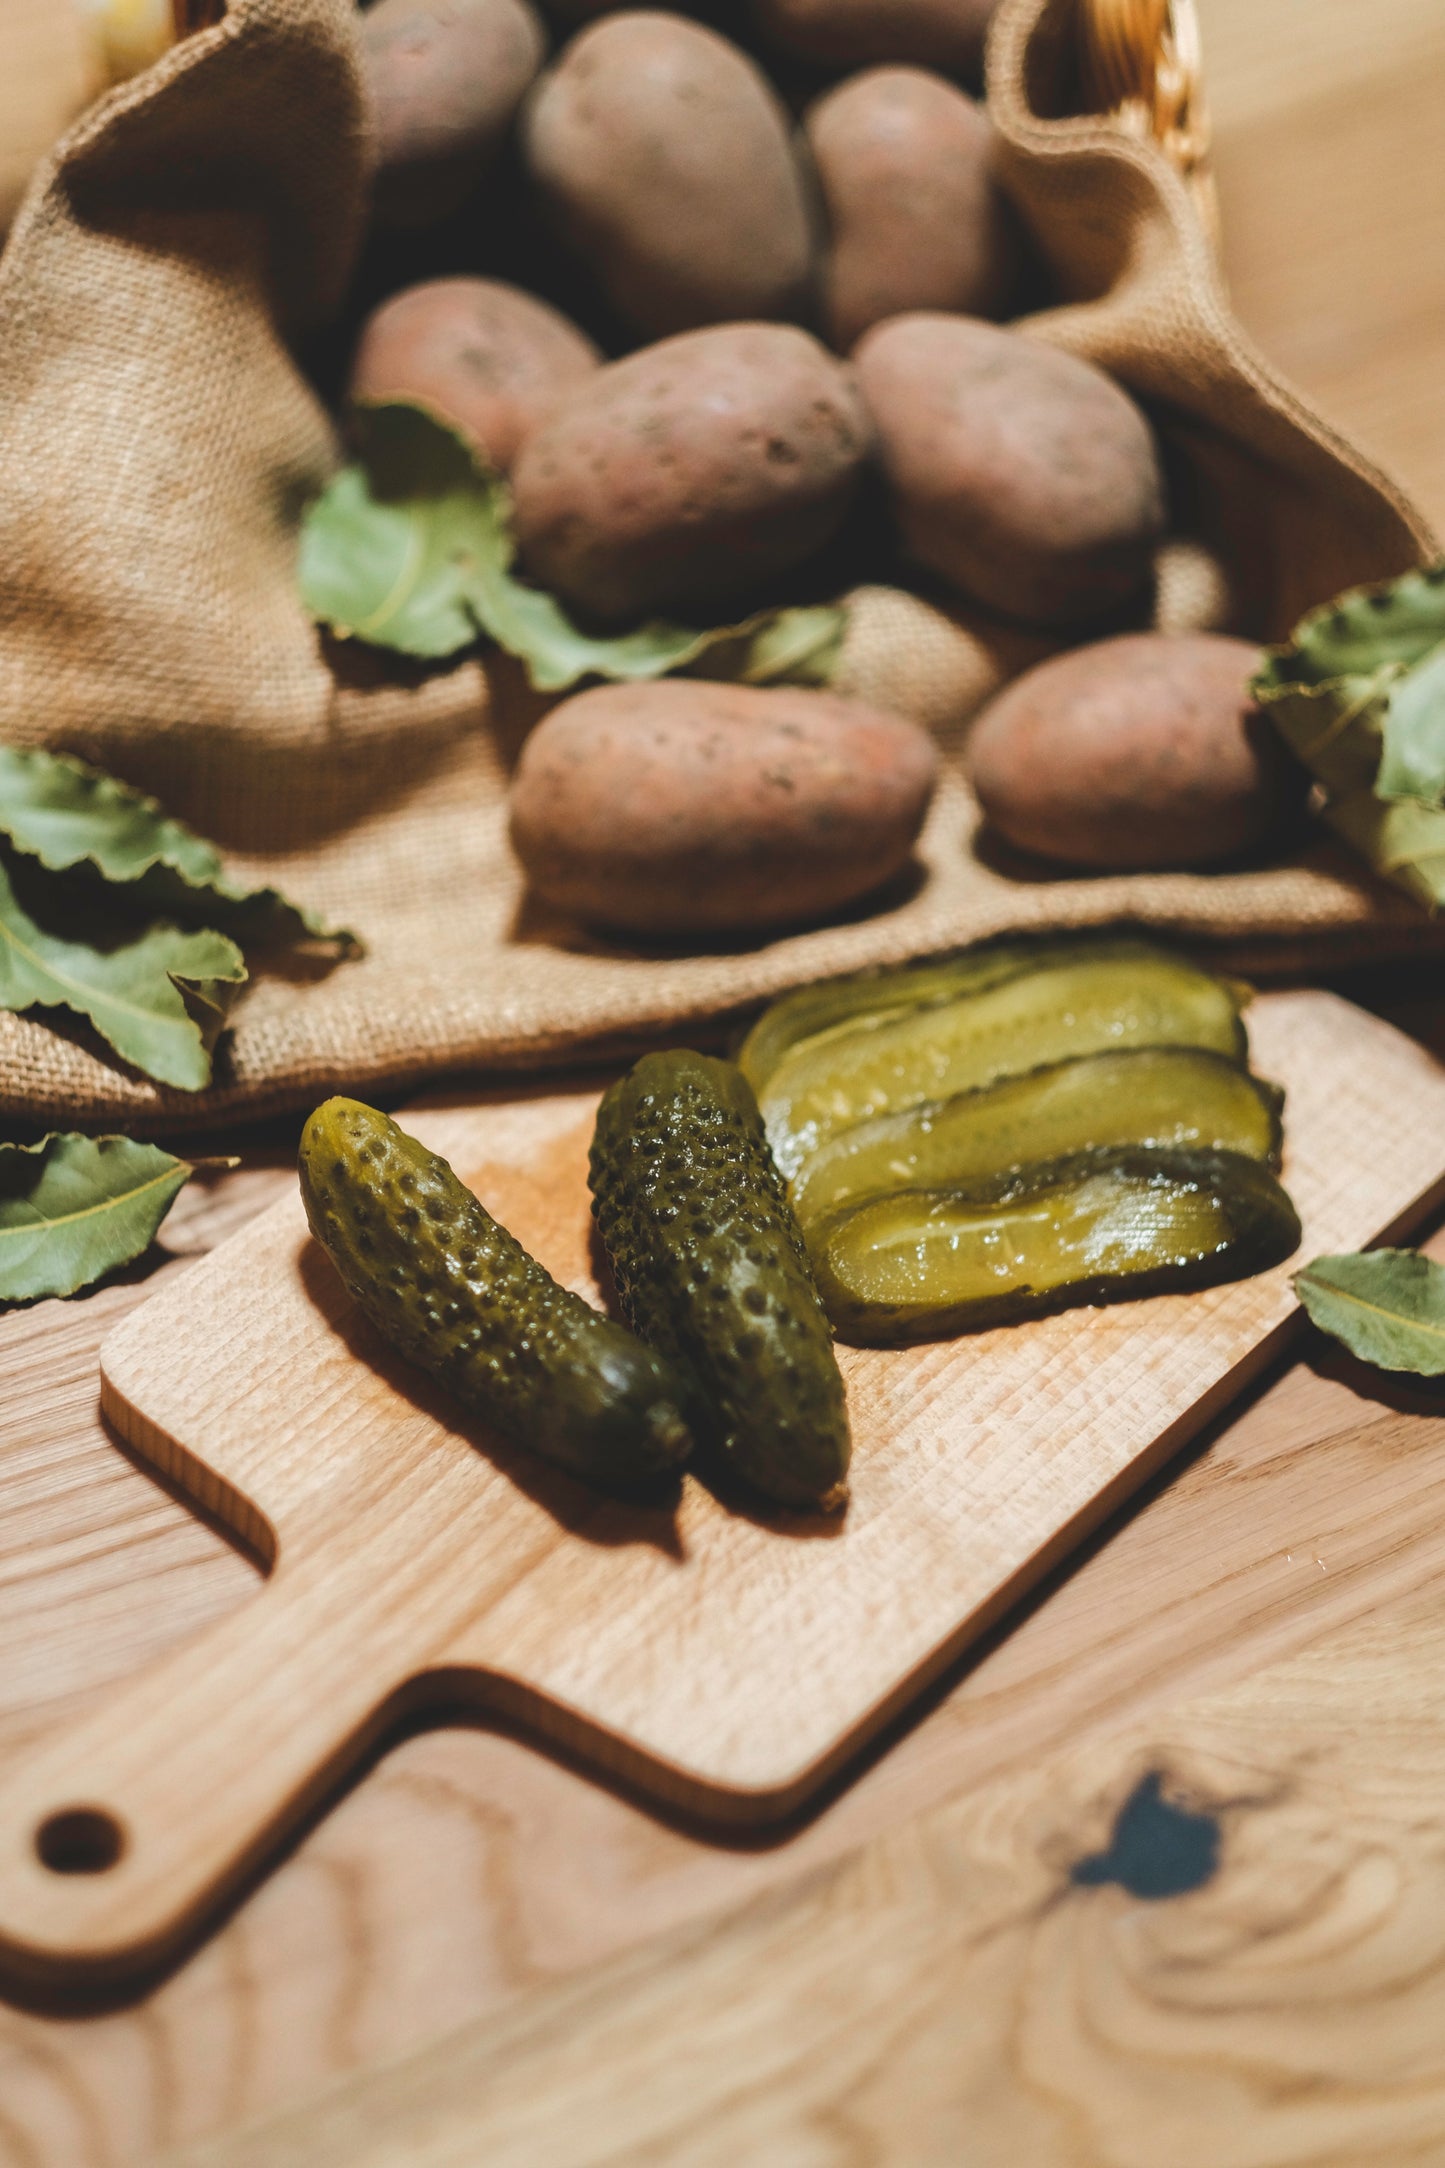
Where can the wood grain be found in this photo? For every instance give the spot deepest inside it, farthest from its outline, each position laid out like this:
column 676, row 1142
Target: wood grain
column 1332, row 194
column 953, row 1992
column 722, row 1660
column 468, row 1871
column 49, row 71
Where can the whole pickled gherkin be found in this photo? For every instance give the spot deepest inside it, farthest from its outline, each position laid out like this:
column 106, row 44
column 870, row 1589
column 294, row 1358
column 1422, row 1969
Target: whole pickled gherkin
column 918, row 1264
column 711, row 1269
column 1169, row 1097
column 1100, row 996
column 460, row 1297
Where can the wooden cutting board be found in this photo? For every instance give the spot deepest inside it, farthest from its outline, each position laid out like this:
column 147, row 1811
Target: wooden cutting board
column 725, row 1663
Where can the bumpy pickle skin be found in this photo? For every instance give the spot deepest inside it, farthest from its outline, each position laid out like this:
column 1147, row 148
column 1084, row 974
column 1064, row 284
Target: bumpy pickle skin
column 1170, row 1098
column 1099, row 1226
column 459, row 1296
column 711, row 1269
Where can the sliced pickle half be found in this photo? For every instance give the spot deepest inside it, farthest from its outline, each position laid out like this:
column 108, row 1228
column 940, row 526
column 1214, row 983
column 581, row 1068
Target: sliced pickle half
column 1098, row 1226
column 1100, row 997
column 866, row 998
column 1168, row 1098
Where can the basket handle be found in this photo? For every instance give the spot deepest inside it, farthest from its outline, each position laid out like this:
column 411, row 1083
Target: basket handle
column 192, row 15
column 1140, row 62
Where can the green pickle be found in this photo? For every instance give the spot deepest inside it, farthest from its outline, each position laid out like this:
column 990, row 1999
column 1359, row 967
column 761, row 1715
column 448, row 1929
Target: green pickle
column 711, row 1270
column 870, row 997
column 1071, row 1000
column 1169, row 1098
column 920, row 1264
column 461, row 1298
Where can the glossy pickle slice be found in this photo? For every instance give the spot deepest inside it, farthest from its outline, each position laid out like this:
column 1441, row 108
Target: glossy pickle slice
column 711, row 1269
column 920, row 1264
column 865, row 998
column 1168, row 1098
column 461, row 1298
column 1105, row 996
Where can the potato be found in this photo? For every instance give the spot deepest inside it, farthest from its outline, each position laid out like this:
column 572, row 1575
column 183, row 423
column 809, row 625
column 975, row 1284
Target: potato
column 688, row 807
column 446, row 78
column 946, row 34
column 666, row 163
column 916, row 219
column 1142, row 751
column 688, row 475
column 490, row 359
column 1024, row 478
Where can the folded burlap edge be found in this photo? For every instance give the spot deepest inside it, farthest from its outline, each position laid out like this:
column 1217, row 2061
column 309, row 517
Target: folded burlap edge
column 463, row 976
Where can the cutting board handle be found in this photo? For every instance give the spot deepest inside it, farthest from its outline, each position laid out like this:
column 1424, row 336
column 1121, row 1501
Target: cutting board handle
column 205, row 1756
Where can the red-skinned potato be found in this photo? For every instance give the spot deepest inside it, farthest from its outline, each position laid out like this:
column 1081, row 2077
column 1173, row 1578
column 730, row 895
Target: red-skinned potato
column 686, row 477
column 943, row 34
column 446, row 78
column 665, row 161
column 1138, row 753
column 488, row 358
column 915, row 216
column 687, row 807
column 1022, row 477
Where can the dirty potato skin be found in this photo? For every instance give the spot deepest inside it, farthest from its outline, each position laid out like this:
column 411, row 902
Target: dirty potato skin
column 665, row 161
column 1142, row 752
column 686, row 807
column 446, row 78
column 915, row 216
column 944, row 34
column 490, row 359
column 692, row 472
column 1022, row 477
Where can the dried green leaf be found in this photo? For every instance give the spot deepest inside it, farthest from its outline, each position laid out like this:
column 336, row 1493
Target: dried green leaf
column 73, row 1208
column 68, row 815
column 1386, row 1306
column 412, row 549
column 1412, row 761
column 533, row 626
column 389, row 548
column 158, row 994
column 1359, row 696
column 1395, row 621
column 798, row 646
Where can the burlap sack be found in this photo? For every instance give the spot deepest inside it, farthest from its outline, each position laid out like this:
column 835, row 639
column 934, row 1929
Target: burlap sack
column 156, row 441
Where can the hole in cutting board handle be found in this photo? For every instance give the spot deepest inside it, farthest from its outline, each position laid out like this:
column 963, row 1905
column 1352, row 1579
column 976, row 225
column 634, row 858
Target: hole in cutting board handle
column 79, row 1840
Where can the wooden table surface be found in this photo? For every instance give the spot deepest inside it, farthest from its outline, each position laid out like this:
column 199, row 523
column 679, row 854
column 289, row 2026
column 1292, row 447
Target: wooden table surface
column 965, row 1956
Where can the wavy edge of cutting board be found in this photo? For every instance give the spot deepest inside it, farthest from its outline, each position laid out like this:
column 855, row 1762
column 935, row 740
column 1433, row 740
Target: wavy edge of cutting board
column 60, row 1930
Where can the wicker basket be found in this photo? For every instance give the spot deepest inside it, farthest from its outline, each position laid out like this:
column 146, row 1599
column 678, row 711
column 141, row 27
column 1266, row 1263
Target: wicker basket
column 1140, row 62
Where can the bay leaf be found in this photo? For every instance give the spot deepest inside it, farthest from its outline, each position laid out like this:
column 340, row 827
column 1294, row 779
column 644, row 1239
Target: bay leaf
column 1386, row 1306
column 412, row 549
column 388, row 548
column 73, row 1208
column 1359, row 632
column 797, row 646
column 157, row 994
column 1412, row 757
column 1358, row 694
column 67, row 815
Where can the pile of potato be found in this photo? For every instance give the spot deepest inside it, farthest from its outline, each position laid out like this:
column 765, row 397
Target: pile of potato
column 719, row 306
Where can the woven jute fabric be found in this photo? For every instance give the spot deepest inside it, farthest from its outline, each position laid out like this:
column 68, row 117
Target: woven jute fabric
column 157, row 441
